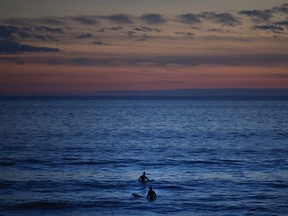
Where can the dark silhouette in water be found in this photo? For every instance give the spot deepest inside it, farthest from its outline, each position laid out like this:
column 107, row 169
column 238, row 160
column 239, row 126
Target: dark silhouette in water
column 151, row 195
column 143, row 177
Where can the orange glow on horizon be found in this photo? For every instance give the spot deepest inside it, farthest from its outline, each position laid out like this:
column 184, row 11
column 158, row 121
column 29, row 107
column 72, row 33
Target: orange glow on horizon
column 41, row 79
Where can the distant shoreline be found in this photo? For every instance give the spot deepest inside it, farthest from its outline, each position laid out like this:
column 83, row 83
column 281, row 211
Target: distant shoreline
column 177, row 94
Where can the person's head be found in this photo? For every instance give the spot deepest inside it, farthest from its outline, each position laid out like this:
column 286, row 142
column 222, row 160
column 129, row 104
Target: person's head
column 150, row 188
column 144, row 173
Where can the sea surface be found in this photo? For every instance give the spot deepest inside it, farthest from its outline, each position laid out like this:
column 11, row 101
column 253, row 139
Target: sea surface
column 83, row 156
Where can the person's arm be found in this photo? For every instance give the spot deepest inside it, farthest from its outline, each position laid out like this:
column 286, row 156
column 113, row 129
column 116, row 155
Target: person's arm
column 147, row 178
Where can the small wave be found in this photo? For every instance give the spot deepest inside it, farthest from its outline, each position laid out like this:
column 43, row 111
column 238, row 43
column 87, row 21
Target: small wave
column 5, row 184
column 123, row 162
column 70, row 158
column 7, row 164
column 214, row 162
column 278, row 185
column 43, row 205
column 202, row 162
column 33, row 161
column 106, row 203
column 173, row 187
column 86, row 163
column 50, row 205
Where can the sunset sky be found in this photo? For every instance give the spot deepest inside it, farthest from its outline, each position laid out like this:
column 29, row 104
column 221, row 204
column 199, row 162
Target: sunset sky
column 86, row 47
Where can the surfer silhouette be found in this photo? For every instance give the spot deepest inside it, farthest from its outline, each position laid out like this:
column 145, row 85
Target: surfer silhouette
column 143, row 177
column 151, row 194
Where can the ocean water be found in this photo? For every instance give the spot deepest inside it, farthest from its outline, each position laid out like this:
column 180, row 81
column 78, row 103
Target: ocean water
column 83, row 156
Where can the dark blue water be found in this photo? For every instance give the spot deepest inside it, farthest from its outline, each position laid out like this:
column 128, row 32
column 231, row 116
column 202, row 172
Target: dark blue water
column 84, row 156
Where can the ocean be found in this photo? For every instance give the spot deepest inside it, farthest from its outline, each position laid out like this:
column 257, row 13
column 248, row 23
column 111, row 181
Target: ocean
column 83, row 156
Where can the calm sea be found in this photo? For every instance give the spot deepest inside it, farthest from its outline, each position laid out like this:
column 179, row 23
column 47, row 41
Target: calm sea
column 83, row 156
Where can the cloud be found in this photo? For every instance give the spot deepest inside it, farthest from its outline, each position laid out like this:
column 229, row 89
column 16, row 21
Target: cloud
column 115, row 28
column 189, row 18
column 222, row 18
column 12, row 47
column 84, row 36
column 185, row 33
column 189, row 60
column 258, row 15
column 100, row 43
column 142, row 38
column 219, row 30
column 48, row 29
column 282, row 23
column 51, row 20
column 15, row 21
column 146, row 29
column 8, row 31
column 153, row 18
column 269, row 27
column 43, row 37
column 29, row 22
column 282, row 9
column 13, row 32
column 87, row 20
column 118, row 18
column 267, row 60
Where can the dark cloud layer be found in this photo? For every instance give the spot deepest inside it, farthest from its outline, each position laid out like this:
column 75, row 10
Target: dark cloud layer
column 87, row 20
column 100, row 43
column 118, row 18
column 15, row 21
column 259, row 15
column 45, row 29
column 189, row 18
column 153, row 18
column 84, row 36
column 239, row 60
column 8, row 32
column 185, row 33
column 14, row 32
column 218, row 30
column 185, row 60
column 269, row 27
column 221, row 18
column 282, row 9
column 282, row 23
column 52, row 20
column 48, row 29
column 12, row 47
column 146, row 29
column 265, row 15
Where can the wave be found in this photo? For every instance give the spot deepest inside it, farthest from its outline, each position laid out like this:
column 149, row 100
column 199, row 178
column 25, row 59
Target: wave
column 62, row 205
column 103, row 162
column 173, row 187
column 43, row 205
column 68, row 161
column 7, row 164
column 5, row 184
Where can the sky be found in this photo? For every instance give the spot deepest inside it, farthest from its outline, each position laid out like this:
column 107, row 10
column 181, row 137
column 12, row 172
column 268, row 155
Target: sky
column 88, row 47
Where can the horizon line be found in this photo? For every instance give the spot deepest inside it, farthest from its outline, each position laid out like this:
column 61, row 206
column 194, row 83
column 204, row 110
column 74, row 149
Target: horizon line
column 186, row 92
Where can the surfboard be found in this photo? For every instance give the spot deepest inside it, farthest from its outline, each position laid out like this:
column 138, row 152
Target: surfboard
column 136, row 195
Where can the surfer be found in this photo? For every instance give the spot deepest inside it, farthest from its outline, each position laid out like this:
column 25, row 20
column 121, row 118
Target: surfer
column 151, row 194
column 143, row 177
